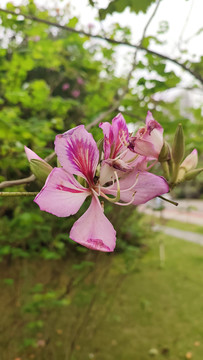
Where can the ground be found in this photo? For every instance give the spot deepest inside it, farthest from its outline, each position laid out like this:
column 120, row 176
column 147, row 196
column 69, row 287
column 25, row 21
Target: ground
column 128, row 307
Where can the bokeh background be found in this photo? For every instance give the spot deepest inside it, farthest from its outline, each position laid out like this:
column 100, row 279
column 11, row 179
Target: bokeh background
column 58, row 300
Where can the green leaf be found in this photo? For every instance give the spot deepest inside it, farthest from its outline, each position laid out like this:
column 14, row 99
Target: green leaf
column 120, row 5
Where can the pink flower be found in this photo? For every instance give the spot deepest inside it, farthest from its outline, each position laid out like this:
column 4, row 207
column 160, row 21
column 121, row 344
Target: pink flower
column 75, row 93
column 116, row 153
column 62, row 195
column 148, row 141
column 65, row 86
column 80, row 81
column 36, row 38
column 128, row 166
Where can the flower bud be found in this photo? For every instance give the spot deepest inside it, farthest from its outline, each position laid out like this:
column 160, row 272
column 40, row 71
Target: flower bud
column 178, row 148
column 190, row 161
column 192, row 174
column 40, row 169
column 165, row 153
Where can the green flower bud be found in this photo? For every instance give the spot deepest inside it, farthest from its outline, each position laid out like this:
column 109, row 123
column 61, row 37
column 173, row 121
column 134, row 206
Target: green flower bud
column 178, row 148
column 40, row 169
column 165, row 153
column 192, row 174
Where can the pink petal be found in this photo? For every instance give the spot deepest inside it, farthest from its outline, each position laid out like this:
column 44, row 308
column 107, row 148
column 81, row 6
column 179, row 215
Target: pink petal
column 148, row 186
column 62, row 195
column 145, row 148
column 190, row 161
column 94, row 230
column 31, row 154
column 77, row 152
column 115, row 136
column 148, row 141
column 108, row 138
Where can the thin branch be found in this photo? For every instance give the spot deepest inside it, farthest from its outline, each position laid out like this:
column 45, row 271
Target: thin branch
column 17, row 193
column 11, row 183
column 140, row 43
column 26, row 180
column 112, row 41
column 150, row 19
column 185, row 25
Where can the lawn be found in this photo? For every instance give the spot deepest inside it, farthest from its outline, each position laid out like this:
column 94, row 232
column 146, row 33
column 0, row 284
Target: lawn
column 126, row 307
column 174, row 224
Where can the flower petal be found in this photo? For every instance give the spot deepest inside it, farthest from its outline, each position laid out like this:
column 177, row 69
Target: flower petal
column 147, row 187
column 62, row 195
column 77, row 152
column 94, row 230
column 190, row 161
column 31, row 154
column 148, row 141
column 145, row 148
column 115, row 136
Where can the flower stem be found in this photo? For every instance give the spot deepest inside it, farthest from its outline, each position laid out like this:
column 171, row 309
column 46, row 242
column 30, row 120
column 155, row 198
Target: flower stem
column 19, row 193
column 170, row 201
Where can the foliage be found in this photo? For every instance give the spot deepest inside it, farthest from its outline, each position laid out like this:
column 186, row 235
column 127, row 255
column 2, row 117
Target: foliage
column 52, row 80
column 120, row 5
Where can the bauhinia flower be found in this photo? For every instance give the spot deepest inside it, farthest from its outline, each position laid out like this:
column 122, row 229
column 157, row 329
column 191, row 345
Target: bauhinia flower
column 125, row 182
column 117, row 155
column 148, row 141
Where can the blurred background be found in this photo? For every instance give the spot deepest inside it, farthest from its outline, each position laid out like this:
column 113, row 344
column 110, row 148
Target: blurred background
column 59, row 300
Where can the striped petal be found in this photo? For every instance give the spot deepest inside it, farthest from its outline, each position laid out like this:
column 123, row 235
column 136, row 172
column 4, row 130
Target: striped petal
column 62, row 195
column 115, row 136
column 77, row 152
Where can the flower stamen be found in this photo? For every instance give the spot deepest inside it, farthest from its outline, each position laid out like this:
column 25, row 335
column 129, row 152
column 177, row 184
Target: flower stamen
column 117, row 197
column 135, row 183
column 130, row 202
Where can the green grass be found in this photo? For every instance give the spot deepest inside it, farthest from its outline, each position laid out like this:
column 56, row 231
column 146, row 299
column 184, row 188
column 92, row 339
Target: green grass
column 185, row 226
column 174, row 224
column 121, row 309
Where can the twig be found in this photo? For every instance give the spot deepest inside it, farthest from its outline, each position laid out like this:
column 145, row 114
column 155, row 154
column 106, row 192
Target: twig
column 26, row 180
column 19, row 193
column 140, row 43
column 11, row 183
column 185, row 25
column 112, row 41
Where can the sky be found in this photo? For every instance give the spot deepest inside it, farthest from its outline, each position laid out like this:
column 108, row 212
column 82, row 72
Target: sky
column 184, row 18
column 174, row 11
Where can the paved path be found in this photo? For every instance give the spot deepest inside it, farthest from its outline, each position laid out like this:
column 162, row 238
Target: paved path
column 189, row 211
column 185, row 235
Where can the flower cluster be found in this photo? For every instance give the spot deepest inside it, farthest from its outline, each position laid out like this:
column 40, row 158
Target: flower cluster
column 119, row 174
